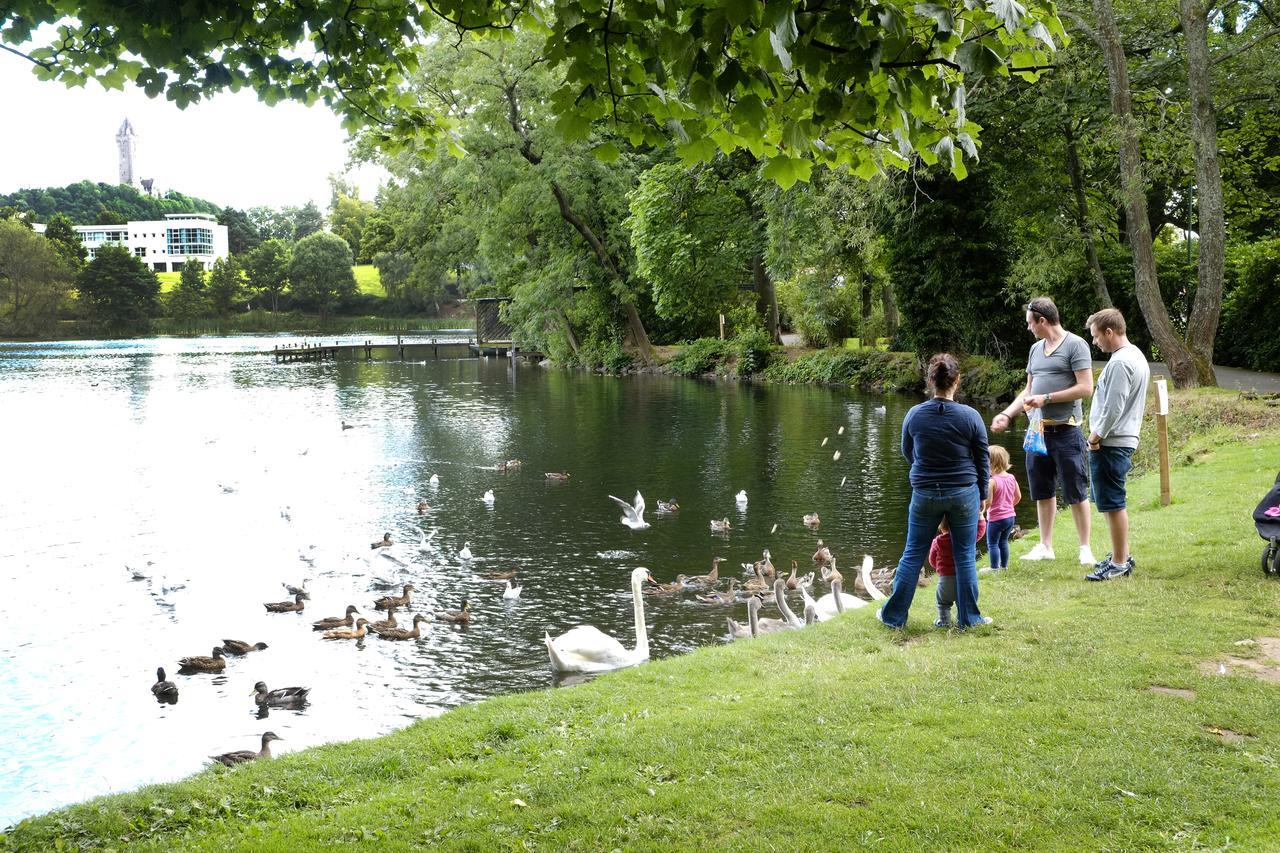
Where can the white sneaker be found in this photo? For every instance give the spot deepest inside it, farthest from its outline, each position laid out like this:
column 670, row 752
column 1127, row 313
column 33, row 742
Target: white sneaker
column 1086, row 556
column 1039, row 552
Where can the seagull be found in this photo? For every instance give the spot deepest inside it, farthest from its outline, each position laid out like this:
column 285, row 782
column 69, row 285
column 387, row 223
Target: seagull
column 137, row 575
column 465, row 553
column 632, row 513
column 488, row 497
column 741, row 497
column 512, row 592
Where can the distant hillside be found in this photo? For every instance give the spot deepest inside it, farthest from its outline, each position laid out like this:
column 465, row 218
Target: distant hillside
column 85, row 202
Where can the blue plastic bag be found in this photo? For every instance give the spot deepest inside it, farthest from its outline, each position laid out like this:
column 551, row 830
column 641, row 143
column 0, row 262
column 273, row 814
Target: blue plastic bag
column 1033, row 441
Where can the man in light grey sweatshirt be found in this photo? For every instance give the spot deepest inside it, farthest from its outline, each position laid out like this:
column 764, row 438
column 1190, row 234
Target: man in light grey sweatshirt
column 1115, row 422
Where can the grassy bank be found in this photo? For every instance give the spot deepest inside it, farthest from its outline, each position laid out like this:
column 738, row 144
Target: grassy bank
column 1040, row 732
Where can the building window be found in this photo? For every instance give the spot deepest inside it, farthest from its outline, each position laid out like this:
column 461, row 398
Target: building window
column 189, row 241
column 140, row 251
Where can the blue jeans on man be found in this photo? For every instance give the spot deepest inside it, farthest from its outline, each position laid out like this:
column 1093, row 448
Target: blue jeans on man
column 960, row 504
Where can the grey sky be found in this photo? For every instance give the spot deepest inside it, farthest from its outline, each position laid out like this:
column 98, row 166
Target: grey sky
column 231, row 150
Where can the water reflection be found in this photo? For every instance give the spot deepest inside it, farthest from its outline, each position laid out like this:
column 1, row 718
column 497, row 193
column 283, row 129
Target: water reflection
column 219, row 477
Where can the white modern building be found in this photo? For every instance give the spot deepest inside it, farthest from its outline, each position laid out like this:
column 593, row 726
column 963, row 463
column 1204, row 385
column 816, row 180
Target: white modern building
column 165, row 245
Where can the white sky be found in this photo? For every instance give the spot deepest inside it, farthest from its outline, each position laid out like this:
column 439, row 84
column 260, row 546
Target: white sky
column 231, row 150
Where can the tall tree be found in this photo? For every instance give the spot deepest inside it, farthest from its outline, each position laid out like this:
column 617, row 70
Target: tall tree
column 120, row 291
column 242, row 234
column 267, row 269
column 347, row 216
column 34, row 279
column 188, row 301
column 307, row 220
column 320, row 272
column 66, row 240
column 225, row 287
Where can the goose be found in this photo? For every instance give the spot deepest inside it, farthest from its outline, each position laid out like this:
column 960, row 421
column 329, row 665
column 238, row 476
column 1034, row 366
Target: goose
column 811, row 520
column 678, row 585
column 465, row 553
column 556, row 476
column 739, row 631
column 434, row 482
column 405, row 633
column 632, row 513
column 487, row 497
column 336, row 621
column 281, row 697
column 240, row 647
column 868, row 583
column 163, row 689
column 384, row 543
column 708, row 580
column 729, row 596
column 231, row 759
column 741, row 497
column 200, row 663
column 721, row 525
column 512, row 592
column 461, row 616
column 668, row 506
column 588, row 649
column 401, row 600
column 823, row 554
column 356, row 633
column 287, row 606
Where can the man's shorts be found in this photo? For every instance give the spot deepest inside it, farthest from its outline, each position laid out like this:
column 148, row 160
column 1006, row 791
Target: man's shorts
column 1065, row 463
column 1109, row 467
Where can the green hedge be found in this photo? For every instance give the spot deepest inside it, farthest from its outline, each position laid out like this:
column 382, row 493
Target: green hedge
column 881, row 370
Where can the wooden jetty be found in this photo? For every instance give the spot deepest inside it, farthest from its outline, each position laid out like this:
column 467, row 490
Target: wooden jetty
column 413, row 349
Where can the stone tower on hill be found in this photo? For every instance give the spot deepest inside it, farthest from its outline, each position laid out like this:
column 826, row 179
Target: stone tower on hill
column 127, row 142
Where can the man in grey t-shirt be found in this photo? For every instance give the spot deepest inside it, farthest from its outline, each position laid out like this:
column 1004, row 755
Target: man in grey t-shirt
column 1059, row 376
column 1115, row 422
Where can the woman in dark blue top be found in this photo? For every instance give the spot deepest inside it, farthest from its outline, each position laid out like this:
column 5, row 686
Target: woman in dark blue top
column 946, row 444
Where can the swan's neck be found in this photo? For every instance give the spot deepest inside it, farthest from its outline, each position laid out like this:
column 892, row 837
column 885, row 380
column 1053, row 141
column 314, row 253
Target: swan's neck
column 782, row 605
column 642, row 634
column 836, row 594
column 753, row 619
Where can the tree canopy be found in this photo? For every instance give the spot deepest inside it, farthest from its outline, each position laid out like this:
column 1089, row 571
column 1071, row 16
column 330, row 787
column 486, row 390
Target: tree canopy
column 84, row 202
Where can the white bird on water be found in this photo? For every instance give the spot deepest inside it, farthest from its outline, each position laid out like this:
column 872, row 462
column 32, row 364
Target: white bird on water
column 434, row 482
column 488, row 497
column 632, row 513
column 741, row 497
column 512, row 592
column 465, row 553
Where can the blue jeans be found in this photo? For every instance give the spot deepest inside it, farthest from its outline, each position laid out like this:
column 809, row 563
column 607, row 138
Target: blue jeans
column 998, row 541
column 928, row 506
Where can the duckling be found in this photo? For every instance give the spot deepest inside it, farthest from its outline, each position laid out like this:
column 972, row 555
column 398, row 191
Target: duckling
column 231, row 759
column 558, row 476
column 667, row 588
column 163, row 689
column 385, row 624
column 405, row 633
column 385, row 543
column 729, row 596
column 240, row 647
column 356, row 633
column 512, row 592
column 395, row 600
column 720, row 525
column 336, row 621
column 668, row 506
column 708, row 580
column 811, row 520
column 287, row 606
column 281, row 697
column 823, row 554
column 462, row 616
column 200, row 663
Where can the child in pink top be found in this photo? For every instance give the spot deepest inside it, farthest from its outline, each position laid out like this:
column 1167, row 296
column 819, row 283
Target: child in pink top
column 1005, row 494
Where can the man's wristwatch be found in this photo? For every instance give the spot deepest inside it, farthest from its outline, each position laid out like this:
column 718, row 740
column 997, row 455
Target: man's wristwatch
column 1048, row 398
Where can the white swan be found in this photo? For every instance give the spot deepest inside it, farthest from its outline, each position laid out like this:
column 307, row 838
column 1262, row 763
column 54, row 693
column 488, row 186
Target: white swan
column 512, row 592
column 488, row 497
column 867, row 582
column 632, row 513
column 588, row 649
column 741, row 497
column 434, row 482
column 465, row 553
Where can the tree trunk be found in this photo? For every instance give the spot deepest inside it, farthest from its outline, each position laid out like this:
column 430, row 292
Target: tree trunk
column 890, row 305
column 766, row 298
column 1132, row 189
column 1100, row 292
column 1202, row 328
column 568, row 330
column 865, row 318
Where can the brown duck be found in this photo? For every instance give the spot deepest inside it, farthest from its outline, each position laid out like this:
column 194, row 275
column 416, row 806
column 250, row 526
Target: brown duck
column 395, row 600
column 462, row 616
column 240, row 756
column 200, row 663
column 383, row 624
column 336, row 621
column 163, row 689
column 710, row 579
column 361, row 628
column 667, row 588
column 404, row 633
column 499, row 576
column 240, row 647
column 287, row 606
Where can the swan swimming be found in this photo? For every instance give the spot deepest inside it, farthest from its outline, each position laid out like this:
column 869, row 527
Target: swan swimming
column 632, row 513
column 465, row 553
column 588, row 649
column 741, row 497
column 488, row 497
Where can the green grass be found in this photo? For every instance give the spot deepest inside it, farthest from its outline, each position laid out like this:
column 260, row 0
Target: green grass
column 368, row 280
column 1037, row 733
column 168, row 280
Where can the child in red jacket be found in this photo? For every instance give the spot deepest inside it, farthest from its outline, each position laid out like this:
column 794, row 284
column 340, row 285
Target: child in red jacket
column 943, row 561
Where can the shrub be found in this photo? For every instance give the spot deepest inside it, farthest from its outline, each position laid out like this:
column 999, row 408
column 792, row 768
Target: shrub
column 754, row 349
column 704, row 355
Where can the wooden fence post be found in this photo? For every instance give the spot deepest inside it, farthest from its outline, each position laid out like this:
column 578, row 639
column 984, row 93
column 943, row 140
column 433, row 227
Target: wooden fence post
column 1162, row 432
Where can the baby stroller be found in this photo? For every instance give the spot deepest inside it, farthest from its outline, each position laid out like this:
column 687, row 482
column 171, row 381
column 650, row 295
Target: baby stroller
column 1267, row 519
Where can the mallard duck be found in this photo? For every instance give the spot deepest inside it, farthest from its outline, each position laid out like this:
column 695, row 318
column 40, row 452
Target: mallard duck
column 385, row 624
column 668, row 506
column 811, row 520
column 163, row 689
column 766, row 566
column 1017, row 532
column 499, row 576
column 281, row 697
column 287, row 606
column 405, row 633
column 336, row 621
column 422, row 507
column 757, row 583
column 823, row 554
column 656, row 588
column 240, row 647
column 792, row 581
column 395, row 600
column 720, row 525
column 558, row 476
column 729, row 596
column 384, row 543
column 832, row 575
column 361, row 628
column 509, row 465
column 708, row 580
column 200, row 663
column 241, row 756
column 461, row 616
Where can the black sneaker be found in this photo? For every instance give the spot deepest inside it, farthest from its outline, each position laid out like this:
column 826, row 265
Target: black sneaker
column 1111, row 571
column 1101, row 564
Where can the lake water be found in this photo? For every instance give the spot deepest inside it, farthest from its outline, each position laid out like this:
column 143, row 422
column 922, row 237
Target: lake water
column 204, row 465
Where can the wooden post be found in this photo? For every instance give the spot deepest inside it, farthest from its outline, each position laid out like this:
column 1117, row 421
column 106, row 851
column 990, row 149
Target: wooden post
column 722, row 327
column 1162, row 432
